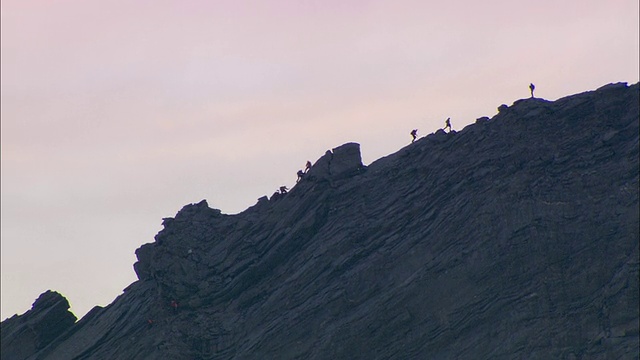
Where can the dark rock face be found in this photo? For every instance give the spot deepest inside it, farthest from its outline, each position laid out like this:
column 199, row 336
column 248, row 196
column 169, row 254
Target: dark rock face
column 343, row 161
column 516, row 237
column 24, row 335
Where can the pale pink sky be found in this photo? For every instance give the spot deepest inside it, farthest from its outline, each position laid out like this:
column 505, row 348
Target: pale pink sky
column 115, row 114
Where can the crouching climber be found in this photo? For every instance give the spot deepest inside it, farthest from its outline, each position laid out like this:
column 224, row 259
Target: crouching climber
column 300, row 176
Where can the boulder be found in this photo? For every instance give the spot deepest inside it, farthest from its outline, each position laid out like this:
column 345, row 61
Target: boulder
column 23, row 335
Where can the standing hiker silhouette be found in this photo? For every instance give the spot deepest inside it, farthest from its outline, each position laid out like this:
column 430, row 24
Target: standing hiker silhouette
column 532, row 87
column 447, row 124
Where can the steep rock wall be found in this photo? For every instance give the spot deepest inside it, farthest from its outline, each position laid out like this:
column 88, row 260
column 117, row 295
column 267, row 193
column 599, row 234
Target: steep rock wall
column 516, row 237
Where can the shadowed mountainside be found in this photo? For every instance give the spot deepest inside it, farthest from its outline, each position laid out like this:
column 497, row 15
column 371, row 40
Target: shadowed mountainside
column 516, row 237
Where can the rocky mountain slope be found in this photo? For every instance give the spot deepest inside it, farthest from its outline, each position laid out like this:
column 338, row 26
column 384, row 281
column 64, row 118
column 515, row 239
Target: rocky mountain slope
column 516, row 237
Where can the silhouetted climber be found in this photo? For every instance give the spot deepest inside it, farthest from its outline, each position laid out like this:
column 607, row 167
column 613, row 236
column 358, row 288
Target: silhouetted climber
column 283, row 189
column 414, row 134
column 307, row 167
column 532, row 87
column 447, row 124
column 300, row 176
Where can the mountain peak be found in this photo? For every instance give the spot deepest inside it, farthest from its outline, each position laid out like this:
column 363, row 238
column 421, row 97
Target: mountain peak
column 514, row 237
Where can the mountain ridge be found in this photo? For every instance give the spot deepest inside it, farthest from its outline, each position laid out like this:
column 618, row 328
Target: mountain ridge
column 514, row 237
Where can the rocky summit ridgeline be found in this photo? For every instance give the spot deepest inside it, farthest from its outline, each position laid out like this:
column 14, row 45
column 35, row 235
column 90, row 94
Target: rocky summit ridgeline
column 515, row 238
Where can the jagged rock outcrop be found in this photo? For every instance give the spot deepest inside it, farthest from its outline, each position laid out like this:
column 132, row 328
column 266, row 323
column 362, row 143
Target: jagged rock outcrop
column 343, row 161
column 24, row 335
column 516, row 237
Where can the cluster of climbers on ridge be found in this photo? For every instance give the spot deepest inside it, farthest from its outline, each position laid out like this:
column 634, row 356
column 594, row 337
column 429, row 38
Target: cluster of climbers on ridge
column 284, row 189
column 447, row 123
column 414, row 132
